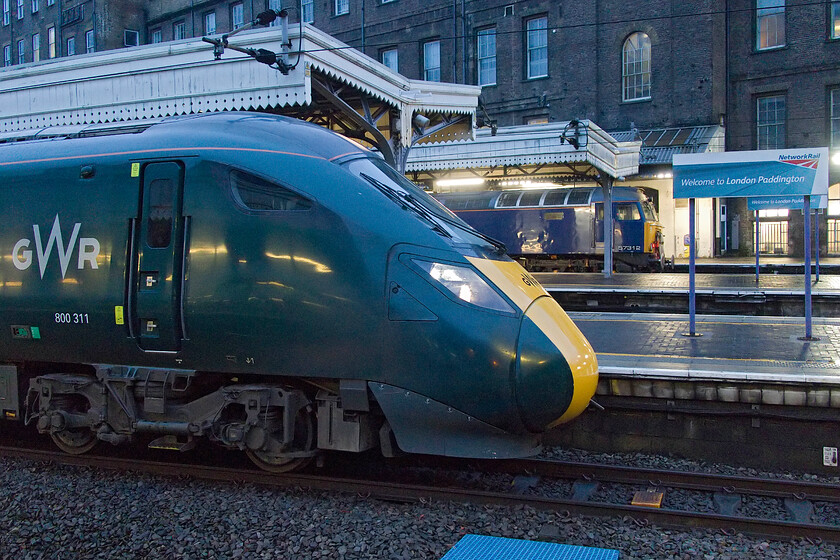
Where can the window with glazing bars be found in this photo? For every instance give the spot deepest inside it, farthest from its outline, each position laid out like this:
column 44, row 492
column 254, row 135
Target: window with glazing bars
column 537, row 47
column 636, row 67
column 770, row 122
column 486, row 47
column 769, row 24
column 307, row 11
column 431, row 61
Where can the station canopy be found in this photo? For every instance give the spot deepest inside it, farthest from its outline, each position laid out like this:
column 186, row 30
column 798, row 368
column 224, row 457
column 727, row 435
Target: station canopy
column 571, row 152
column 330, row 84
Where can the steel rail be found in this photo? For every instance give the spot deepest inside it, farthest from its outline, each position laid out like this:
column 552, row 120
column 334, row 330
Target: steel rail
column 707, row 482
column 764, row 528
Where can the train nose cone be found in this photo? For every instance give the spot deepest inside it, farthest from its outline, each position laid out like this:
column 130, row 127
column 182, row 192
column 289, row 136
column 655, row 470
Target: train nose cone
column 556, row 368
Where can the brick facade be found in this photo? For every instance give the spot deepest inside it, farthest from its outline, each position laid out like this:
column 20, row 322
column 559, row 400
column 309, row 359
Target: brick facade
column 75, row 25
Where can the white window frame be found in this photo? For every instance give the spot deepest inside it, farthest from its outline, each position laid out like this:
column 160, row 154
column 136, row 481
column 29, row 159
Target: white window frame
column 342, row 7
column 35, row 6
column 51, row 42
column 636, row 67
column 157, row 36
column 7, row 55
column 275, row 5
column 834, row 21
column 391, row 58
column 7, row 12
column 210, row 23
column 307, row 11
column 179, row 30
column 36, row 47
column 70, row 46
column 90, row 42
column 485, row 47
column 536, row 46
column 769, row 24
column 237, row 15
column 770, row 122
column 20, row 9
column 21, row 45
column 50, row 2
column 431, row 61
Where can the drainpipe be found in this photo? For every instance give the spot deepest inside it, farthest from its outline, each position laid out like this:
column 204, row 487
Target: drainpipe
column 454, row 40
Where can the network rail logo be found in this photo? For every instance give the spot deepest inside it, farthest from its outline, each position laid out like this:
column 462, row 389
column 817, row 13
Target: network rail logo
column 811, row 161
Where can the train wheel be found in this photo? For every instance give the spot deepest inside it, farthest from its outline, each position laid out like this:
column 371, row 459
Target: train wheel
column 75, row 442
column 304, row 441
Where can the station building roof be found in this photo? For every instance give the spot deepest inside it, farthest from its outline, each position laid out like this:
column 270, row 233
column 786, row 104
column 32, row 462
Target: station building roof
column 330, row 83
column 578, row 150
column 660, row 144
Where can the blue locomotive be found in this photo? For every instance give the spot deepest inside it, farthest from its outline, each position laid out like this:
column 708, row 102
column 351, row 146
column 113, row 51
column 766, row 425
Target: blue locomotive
column 273, row 287
column 563, row 228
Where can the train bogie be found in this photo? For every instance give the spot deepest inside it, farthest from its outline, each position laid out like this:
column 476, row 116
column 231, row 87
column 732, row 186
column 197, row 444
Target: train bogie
column 272, row 287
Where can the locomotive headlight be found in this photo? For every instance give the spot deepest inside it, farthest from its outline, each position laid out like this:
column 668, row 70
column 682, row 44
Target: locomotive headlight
column 466, row 284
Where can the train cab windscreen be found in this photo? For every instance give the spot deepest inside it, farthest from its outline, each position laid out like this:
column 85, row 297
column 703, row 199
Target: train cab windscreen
column 650, row 211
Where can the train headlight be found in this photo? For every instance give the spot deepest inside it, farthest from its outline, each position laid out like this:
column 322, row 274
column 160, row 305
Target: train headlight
column 465, row 284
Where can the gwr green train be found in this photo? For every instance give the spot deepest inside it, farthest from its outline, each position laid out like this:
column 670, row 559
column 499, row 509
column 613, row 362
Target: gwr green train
column 273, row 287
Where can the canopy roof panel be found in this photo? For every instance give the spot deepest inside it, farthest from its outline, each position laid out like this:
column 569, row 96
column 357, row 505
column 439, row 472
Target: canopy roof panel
column 181, row 77
column 577, row 147
column 659, row 145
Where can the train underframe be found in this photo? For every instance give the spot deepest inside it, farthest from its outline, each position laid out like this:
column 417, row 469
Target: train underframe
column 282, row 424
column 281, row 427
column 623, row 262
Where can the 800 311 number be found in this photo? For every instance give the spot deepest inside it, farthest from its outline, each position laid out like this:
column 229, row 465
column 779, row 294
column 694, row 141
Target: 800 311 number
column 72, row 318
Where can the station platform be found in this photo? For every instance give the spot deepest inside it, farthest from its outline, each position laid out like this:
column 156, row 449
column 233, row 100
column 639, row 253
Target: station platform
column 737, row 358
column 740, row 294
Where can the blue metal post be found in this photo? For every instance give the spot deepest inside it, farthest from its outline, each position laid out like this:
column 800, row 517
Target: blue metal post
column 757, row 240
column 817, row 242
column 691, row 267
column 808, row 268
column 606, row 188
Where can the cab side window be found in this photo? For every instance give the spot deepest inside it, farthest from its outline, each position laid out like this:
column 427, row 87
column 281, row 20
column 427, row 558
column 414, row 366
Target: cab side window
column 160, row 213
column 255, row 193
column 628, row 212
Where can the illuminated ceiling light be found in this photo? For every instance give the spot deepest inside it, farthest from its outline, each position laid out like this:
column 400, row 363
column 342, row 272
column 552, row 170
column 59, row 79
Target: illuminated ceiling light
column 836, row 158
column 468, row 182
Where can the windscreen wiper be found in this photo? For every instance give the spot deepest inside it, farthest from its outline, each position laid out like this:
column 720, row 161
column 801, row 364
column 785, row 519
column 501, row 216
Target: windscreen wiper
column 498, row 245
column 407, row 202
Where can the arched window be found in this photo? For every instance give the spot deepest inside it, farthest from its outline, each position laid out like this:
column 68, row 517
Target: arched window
column 636, row 67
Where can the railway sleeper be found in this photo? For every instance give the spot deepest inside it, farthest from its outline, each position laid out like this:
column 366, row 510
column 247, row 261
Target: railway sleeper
column 278, row 426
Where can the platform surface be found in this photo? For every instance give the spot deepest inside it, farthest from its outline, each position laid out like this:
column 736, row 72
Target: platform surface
column 735, row 348
column 677, row 282
column 481, row 547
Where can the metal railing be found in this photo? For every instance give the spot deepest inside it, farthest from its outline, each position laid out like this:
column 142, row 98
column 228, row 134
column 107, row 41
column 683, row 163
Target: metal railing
column 773, row 238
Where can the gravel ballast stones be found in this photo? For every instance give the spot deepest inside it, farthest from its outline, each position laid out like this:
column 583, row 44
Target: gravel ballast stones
column 53, row 511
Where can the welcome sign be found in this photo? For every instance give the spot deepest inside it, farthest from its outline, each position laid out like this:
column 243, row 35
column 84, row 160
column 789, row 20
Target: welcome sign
column 756, row 173
column 794, row 202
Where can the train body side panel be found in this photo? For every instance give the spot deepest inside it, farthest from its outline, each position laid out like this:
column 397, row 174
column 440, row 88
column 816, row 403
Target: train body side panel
column 281, row 293
column 63, row 240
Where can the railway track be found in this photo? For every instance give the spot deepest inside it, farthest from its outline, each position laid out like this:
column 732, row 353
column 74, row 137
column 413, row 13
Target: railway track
column 580, row 503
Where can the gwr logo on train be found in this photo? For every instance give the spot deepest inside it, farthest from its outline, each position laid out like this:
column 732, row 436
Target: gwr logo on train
column 88, row 249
